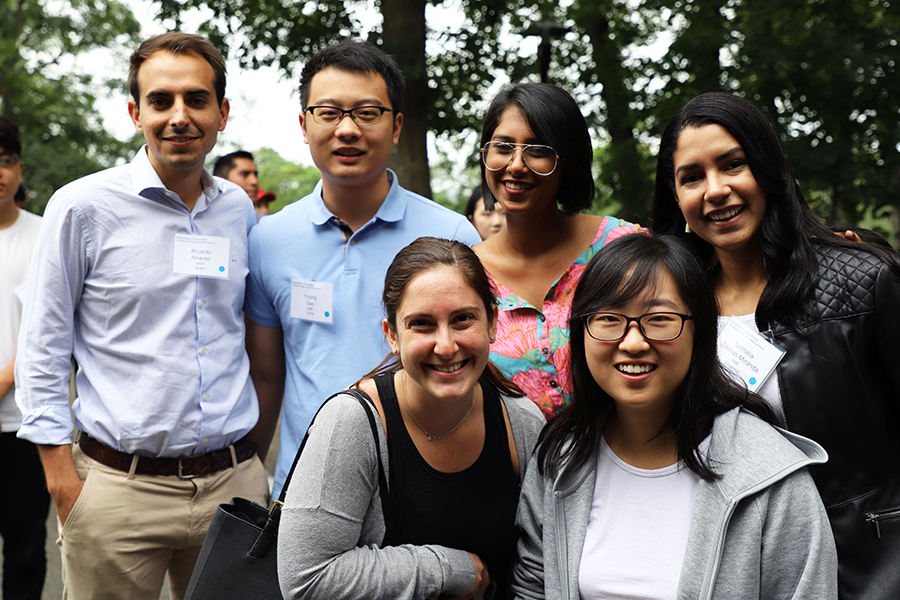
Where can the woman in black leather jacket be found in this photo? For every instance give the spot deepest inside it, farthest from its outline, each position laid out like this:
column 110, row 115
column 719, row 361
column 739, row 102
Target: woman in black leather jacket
column 832, row 304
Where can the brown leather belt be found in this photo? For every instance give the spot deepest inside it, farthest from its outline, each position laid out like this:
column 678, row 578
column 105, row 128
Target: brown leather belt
column 186, row 467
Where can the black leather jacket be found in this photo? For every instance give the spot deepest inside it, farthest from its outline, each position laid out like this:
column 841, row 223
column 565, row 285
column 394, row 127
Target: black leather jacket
column 840, row 385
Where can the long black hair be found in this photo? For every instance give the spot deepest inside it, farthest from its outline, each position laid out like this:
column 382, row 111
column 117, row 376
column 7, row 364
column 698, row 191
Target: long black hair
column 628, row 268
column 556, row 121
column 790, row 230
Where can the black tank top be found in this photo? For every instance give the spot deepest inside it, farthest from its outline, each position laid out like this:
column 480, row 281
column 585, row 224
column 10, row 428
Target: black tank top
column 473, row 509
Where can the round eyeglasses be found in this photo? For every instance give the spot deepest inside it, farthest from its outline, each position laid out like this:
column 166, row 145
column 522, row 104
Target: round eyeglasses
column 361, row 115
column 540, row 159
column 8, row 161
column 655, row 326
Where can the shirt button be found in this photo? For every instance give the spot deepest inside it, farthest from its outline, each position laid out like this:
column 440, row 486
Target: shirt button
column 542, row 318
column 545, row 350
column 206, row 441
column 204, row 352
column 202, row 304
column 553, row 384
column 206, row 397
column 352, row 242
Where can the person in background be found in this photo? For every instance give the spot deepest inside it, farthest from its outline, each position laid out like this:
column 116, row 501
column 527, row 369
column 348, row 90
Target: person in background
column 261, row 204
column 24, row 501
column 457, row 437
column 536, row 164
column 826, row 303
column 238, row 167
column 139, row 274
column 317, row 266
column 659, row 481
column 486, row 222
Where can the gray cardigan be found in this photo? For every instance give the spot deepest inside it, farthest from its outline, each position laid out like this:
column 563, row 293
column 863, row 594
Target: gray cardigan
column 760, row 531
column 332, row 523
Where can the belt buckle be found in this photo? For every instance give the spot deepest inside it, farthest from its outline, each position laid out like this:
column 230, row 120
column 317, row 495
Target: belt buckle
column 181, row 474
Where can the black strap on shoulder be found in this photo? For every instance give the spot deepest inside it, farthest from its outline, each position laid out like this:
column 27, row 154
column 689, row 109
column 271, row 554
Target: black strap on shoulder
column 369, row 406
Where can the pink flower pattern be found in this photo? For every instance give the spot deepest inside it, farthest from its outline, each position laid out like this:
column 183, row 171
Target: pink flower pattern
column 532, row 346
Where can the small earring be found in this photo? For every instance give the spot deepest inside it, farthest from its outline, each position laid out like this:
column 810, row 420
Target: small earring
column 492, row 339
column 395, row 351
column 687, row 227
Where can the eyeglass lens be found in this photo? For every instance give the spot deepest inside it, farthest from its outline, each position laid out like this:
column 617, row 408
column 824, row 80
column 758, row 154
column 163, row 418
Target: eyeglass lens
column 362, row 115
column 540, row 159
column 658, row 327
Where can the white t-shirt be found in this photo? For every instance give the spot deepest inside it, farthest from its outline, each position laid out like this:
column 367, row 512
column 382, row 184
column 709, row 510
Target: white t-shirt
column 637, row 530
column 769, row 389
column 17, row 244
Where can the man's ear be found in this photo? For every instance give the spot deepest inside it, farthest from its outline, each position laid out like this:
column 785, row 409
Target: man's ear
column 398, row 125
column 134, row 111
column 302, row 118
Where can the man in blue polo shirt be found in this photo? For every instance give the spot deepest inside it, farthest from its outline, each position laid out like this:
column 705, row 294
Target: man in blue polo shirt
column 317, row 267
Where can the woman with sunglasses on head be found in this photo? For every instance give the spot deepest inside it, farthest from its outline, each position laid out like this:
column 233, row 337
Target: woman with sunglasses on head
column 659, row 481
column 455, row 436
column 536, row 163
column 828, row 303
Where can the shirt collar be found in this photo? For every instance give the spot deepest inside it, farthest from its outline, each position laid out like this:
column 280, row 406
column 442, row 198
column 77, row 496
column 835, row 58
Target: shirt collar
column 147, row 183
column 391, row 210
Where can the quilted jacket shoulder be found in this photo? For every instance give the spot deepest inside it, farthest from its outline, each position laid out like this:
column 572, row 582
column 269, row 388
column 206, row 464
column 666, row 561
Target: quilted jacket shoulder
column 846, row 283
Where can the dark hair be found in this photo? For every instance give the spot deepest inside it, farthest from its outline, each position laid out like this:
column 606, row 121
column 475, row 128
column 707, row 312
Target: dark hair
column 474, row 197
column 9, row 137
column 422, row 255
column 178, row 44
column 789, row 230
column 627, row 268
column 225, row 163
column 355, row 56
column 556, row 121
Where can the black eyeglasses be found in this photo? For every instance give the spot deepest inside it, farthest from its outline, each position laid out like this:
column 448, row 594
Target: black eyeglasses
column 539, row 158
column 655, row 326
column 361, row 115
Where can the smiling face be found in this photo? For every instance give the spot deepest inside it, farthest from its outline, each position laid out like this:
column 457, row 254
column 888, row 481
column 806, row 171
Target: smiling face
column 348, row 153
column 716, row 190
column 10, row 176
column 178, row 113
column 638, row 374
column 442, row 333
column 518, row 188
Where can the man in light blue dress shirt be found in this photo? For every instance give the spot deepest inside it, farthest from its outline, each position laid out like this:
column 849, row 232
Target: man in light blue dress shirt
column 139, row 275
column 317, row 267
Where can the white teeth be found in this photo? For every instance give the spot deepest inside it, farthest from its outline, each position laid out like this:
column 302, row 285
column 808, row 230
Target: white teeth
column 447, row 368
column 635, row 369
column 727, row 214
column 514, row 185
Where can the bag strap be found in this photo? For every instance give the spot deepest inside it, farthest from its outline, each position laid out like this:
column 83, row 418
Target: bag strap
column 369, row 406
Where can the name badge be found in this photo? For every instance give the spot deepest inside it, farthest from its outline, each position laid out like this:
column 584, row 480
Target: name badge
column 312, row 301
column 201, row 256
column 747, row 356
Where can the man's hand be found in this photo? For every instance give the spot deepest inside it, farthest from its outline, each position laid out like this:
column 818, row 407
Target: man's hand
column 63, row 482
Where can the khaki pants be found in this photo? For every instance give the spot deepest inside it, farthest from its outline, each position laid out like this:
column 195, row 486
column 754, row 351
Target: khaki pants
column 125, row 533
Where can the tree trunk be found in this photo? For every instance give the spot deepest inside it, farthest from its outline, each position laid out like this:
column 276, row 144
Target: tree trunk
column 404, row 39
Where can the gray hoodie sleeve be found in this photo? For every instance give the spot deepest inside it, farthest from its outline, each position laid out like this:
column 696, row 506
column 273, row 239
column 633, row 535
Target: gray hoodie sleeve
column 332, row 524
column 528, row 571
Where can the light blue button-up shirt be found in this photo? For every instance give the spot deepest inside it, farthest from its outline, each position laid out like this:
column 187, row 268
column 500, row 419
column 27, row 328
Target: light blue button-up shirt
column 303, row 242
column 162, row 369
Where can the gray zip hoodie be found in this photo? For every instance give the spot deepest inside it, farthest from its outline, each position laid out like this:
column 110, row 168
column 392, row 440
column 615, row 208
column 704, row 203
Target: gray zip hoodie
column 760, row 531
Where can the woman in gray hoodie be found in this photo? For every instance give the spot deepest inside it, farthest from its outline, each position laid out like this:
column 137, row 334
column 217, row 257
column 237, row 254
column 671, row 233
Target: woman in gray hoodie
column 661, row 480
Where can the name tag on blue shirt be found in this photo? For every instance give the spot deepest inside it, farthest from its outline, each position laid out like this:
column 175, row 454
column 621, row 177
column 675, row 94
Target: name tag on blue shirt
column 201, row 256
column 747, row 356
column 312, row 301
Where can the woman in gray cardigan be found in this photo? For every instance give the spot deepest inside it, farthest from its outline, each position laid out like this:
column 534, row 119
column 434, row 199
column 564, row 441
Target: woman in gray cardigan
column 659, row 481
column 456, row 436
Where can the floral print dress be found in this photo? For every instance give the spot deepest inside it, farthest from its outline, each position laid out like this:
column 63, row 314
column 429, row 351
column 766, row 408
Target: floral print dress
column 532, row 345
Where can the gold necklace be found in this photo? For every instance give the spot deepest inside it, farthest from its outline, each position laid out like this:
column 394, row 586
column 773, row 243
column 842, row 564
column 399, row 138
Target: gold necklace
column 429, row 436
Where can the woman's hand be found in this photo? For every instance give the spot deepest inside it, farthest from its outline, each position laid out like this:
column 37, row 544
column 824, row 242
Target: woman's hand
column 482, row 579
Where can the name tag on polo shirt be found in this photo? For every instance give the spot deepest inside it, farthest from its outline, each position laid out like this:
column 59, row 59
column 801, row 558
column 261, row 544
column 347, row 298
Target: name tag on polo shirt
column 312, row 301
column 747, row 356
column 201, row 256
